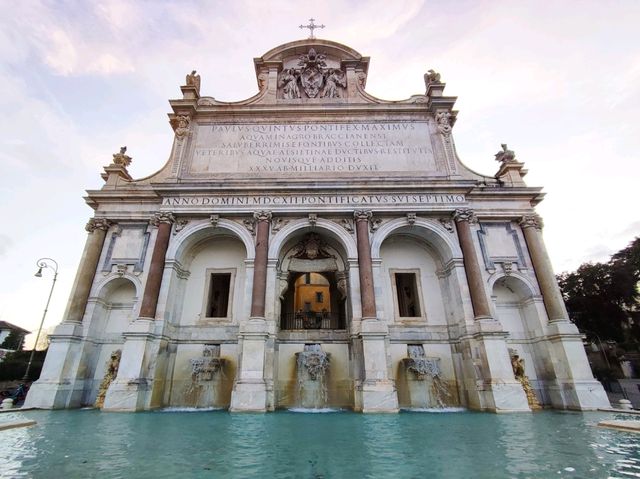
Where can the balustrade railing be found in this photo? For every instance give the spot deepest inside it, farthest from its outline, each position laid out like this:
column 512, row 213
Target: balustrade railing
column 311, row 320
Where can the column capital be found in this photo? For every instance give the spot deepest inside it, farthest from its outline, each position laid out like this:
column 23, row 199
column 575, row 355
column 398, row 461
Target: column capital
column 162, row 217
column 464, row 214
column 531, row 221
column 263, row 215
column 362, row 215
column 98, row 224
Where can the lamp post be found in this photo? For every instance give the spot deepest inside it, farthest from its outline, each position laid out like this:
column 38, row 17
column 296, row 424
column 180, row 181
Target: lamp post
column 42, row 263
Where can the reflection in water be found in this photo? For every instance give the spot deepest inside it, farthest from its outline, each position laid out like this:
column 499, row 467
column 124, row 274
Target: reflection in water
column 78, row 444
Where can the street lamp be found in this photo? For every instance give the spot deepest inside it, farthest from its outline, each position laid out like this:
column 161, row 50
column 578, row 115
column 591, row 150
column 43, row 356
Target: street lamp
column 42, row 263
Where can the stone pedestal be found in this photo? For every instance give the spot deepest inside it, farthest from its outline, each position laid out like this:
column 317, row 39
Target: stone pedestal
column 58, row 386
column 250, row 390
column 574, row 386
column 490, row 383
column 377, row 392
column 131, row 390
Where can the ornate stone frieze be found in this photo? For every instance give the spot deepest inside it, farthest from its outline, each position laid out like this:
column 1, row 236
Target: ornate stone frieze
column 411, row 218
column 506, row 155
column 162, row 217
column 531, row 221
column 98, row 224
column 121, row 159
column 464, row 214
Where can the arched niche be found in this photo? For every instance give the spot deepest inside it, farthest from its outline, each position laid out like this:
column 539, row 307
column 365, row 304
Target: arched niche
column 515, row 308
column 114, row 308
column 312, row 275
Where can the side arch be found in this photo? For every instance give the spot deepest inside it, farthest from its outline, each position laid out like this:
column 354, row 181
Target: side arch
column 437, row 236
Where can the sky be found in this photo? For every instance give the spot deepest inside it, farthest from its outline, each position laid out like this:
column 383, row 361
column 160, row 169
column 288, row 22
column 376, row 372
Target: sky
column 559, row 82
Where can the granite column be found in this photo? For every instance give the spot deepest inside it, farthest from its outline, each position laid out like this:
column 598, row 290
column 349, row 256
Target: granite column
column 481, row 309
column 262, row 219
column 367, row 292
column 154, row 277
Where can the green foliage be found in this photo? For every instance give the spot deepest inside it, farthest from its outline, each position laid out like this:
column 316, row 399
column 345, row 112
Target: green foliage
column 603, row 298
column 14, row 341
column 14, row 365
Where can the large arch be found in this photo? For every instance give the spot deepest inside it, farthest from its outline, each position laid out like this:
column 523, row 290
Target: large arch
column 435, row 235
column 333, row 230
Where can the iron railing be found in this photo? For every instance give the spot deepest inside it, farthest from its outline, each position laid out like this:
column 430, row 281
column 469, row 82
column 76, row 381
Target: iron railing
column 311, row 320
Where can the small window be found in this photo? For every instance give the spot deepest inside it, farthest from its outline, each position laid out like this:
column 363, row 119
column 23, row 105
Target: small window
column 408, row 304
column 218, row 302
column 319, row 297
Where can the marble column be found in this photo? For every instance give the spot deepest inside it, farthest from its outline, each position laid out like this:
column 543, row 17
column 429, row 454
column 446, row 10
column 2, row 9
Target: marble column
column 154, row 277
column 481, row 309
column 367, row 292
column 97, row 228
column 531, row 227
column 262, row 219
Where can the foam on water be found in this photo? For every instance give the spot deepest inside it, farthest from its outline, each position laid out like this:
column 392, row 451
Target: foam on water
column 435, row 409
column 190, row 409
column 313, row 410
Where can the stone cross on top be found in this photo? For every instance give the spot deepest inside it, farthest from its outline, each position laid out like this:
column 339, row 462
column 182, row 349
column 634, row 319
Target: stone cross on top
column 311, row 27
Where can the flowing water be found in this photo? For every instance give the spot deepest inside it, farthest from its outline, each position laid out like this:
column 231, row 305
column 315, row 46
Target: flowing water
column 90, row 443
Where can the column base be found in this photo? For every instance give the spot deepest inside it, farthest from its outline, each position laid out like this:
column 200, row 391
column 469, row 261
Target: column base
column 53, row 395
column 127, row 396
column 578, row 395
column 249, row 397
column 499, row 397
column 379, row 397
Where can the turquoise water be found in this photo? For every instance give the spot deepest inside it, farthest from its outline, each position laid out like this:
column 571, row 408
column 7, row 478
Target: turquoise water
column 87, row 443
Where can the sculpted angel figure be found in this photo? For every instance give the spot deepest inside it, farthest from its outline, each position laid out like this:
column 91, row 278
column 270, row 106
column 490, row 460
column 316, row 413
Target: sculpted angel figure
column 288, row 81
column 334, row 78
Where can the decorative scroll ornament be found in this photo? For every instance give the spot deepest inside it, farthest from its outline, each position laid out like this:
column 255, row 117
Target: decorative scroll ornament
column 182, row 129
column 443, row 118
column 162, row 217
column 121, row 159
column 464, row 214
column 311, row 247
column 506, row 155
column 431, row 77
column 411, row 218
column 213, row 219
column 507, row 267
column 313, row 219
column 531, row 221
column 193, row 80
column 98, row 224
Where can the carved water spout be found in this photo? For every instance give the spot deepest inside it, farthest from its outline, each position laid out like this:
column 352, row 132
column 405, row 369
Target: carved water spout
column 517, row 363
column 109, row 376
column 312, row 368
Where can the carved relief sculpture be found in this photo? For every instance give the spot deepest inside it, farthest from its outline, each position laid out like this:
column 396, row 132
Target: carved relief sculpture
column 334, row 79
column 311, row 73
column 311, row 247
column 183, row 126
column 288, row 82
column 443, row 118
column 517, row 364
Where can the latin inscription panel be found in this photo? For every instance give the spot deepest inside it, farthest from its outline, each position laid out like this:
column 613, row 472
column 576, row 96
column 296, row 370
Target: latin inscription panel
column 304, row 149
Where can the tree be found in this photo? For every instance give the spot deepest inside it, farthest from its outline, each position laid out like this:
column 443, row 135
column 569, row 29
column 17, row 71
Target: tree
column 603, row 298
column 13, row 341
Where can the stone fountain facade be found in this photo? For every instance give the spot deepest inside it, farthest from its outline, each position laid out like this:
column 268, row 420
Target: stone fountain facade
column 314, row 213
